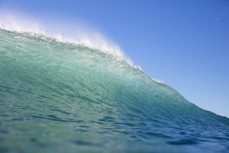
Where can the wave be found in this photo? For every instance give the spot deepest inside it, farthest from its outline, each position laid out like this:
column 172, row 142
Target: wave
column 59, row 96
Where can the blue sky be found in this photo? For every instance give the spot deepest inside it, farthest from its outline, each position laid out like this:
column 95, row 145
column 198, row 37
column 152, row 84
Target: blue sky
column 183, row 43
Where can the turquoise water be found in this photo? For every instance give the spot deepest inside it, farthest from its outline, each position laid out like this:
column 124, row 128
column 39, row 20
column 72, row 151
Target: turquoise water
column 61, row 97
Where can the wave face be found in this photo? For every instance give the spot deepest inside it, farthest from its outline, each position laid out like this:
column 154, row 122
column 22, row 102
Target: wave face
column 62, row 97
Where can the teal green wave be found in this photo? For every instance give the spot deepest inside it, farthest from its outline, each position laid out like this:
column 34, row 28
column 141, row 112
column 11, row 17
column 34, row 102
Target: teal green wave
column 63, row 97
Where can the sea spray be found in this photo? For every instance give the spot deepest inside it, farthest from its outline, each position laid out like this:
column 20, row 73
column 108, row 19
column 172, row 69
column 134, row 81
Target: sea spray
column 75, row 33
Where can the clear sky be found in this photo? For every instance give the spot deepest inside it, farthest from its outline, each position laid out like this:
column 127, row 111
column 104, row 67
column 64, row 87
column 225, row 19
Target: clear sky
column 183, row 43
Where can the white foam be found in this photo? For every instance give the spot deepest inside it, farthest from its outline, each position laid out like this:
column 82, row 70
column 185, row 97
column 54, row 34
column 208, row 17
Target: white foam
column 159, row 81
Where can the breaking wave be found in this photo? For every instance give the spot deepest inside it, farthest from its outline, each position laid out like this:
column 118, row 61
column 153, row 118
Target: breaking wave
column 66, row 95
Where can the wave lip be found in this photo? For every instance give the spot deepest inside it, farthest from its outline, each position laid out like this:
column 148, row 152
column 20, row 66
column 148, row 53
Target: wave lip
column 77, row 35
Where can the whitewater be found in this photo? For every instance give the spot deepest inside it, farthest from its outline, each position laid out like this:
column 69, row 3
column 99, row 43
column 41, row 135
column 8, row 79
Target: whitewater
column 84, row 95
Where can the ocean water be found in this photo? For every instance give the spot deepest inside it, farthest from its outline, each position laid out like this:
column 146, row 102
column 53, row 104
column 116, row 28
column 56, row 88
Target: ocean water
column 62, row 97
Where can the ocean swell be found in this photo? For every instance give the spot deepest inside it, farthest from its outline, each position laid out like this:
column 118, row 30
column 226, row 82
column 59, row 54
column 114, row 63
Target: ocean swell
column 57, row 96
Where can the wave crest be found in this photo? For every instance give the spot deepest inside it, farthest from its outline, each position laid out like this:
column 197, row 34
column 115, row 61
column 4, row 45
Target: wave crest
column 17, row 22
